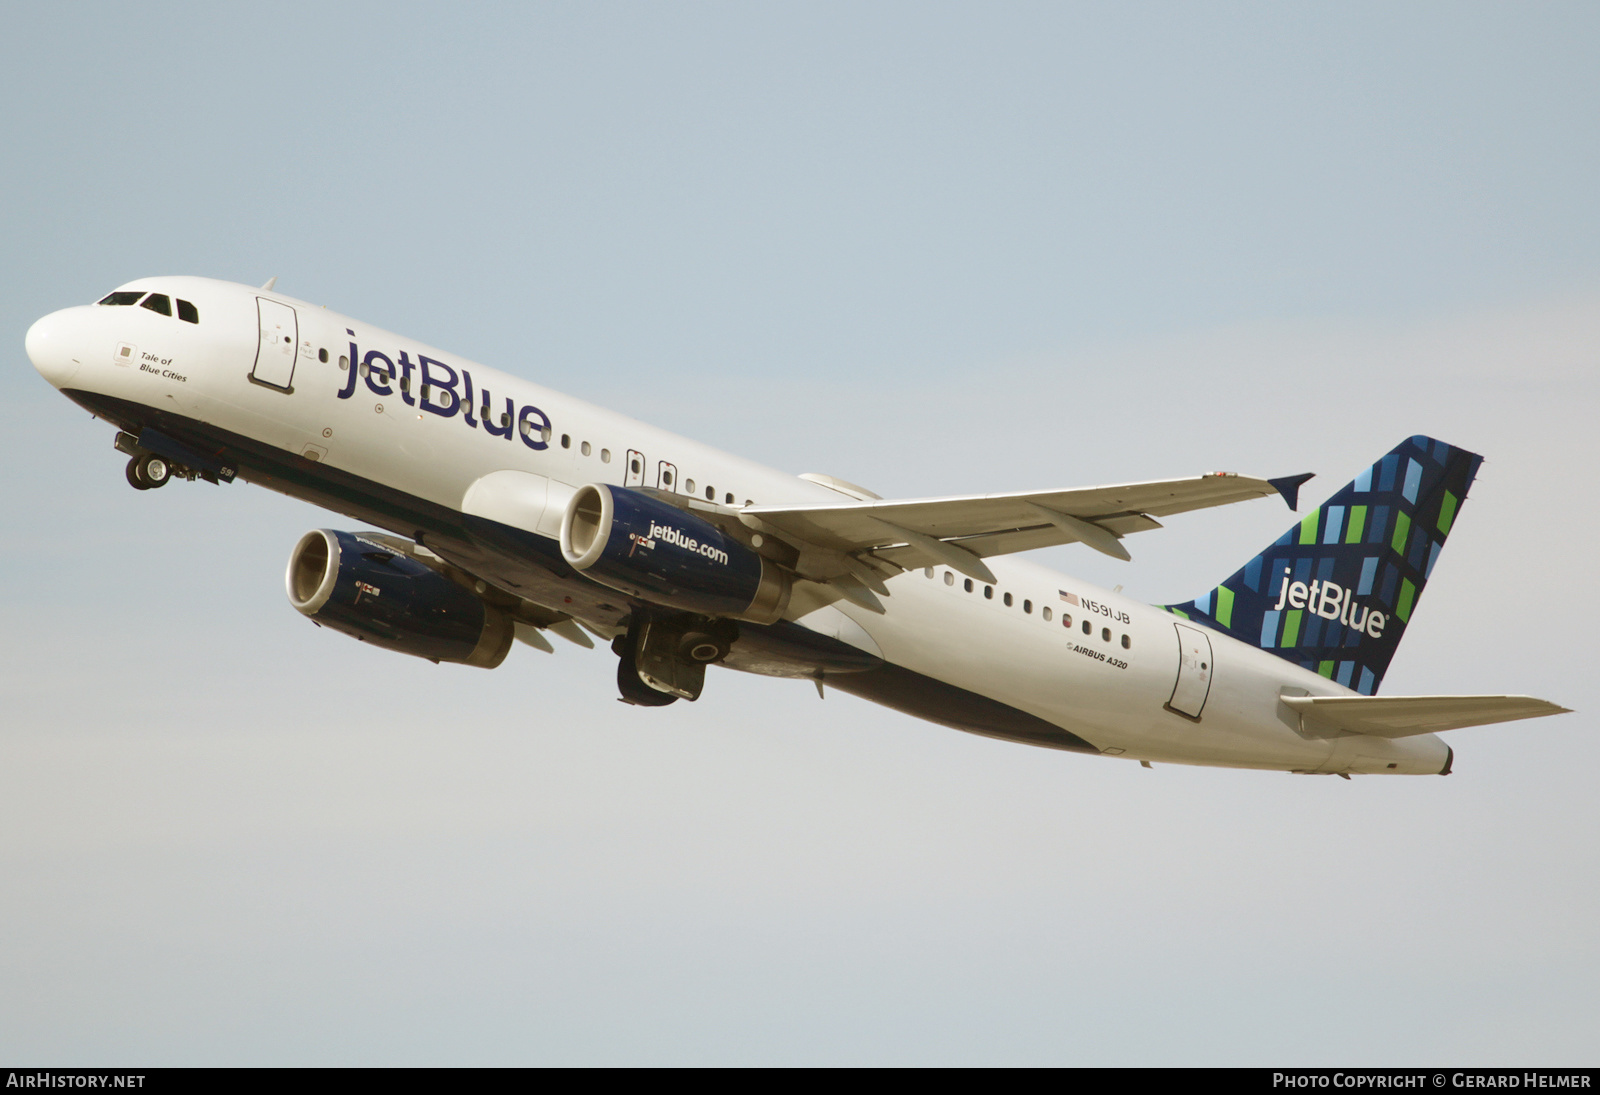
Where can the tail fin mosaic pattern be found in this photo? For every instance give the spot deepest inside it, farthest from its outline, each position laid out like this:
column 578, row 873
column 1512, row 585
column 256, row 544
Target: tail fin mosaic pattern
column 1335, row 592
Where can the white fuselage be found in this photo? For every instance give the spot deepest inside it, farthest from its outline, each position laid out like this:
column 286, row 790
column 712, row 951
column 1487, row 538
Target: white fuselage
column 1111, row 687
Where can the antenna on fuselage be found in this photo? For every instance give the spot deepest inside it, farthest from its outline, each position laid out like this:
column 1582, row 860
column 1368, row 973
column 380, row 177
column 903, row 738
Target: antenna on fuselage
column 273, row 280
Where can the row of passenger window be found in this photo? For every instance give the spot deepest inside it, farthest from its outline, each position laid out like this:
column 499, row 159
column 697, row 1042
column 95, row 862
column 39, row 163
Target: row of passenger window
column 586, row 449
column 159, row 303
column 636, row 469
column 1027, row 606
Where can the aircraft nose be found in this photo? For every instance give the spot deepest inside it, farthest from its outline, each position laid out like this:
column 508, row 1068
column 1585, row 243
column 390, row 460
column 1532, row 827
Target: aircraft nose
column 50, row 348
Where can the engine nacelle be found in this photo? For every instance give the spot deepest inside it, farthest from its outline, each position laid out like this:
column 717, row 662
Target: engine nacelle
column 659, row 553
column 367, row 589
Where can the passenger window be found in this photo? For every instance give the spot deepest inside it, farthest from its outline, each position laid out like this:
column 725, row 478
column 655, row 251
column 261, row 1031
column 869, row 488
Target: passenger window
column 584, row 448
column 1027, row 606
column 322, row 355
column 688, row 485
column 605, row 456
column 158, row 302
column 633, row 467
column 988, row 592
column 1045, row 611
column 123, row 298
column 344, row 364
column 711, row 494
column 927, row 572
column 1087, row 630
column 1105, row 633
column 727, row 499
column 1066, row 619
column 949, row 577
column 1126, row 642
column 1008, row 600
column 968, row 585
column 190, row 314
column 566, row 441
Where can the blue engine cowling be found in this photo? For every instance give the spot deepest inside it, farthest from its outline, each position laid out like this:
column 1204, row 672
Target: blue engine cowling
column 651, row 549
column 367, row 589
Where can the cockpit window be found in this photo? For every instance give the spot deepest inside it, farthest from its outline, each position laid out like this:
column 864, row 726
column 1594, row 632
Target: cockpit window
column 188, row 312
column 123, row 297
column 158, row 302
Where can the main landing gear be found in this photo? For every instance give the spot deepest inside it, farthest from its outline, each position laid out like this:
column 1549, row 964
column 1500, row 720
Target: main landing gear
column 663, row 660
column 148, row 471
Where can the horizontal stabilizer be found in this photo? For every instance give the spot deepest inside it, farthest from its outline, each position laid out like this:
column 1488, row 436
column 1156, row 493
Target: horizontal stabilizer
column 1407, row 716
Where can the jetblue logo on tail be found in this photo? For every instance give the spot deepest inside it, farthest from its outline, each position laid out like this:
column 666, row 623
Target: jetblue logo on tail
column 1331, row 601
column 1334, row 593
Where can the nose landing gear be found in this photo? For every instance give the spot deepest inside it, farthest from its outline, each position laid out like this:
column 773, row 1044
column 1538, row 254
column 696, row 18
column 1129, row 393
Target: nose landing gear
column 148, row 471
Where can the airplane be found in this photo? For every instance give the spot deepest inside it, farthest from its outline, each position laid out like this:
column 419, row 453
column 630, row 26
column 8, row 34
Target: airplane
column 503, row 511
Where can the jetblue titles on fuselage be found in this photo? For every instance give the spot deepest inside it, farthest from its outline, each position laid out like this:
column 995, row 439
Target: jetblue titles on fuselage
column 446, row 392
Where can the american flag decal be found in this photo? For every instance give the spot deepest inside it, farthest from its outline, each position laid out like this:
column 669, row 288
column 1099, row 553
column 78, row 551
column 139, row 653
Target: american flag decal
column 1070, row 598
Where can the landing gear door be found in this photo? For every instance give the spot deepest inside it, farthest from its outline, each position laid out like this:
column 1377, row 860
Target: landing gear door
column 633, row 474
column 275, row 352
column 1195, row 666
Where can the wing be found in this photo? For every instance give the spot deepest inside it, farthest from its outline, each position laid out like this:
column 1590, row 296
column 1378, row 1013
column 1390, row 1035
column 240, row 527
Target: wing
column 854, row 545
column 961, row 530
column 1407, row 716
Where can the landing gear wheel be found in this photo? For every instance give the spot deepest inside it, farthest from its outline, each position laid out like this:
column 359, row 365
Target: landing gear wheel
column 155, row 471
column 634, row 690
column 135, row 475
column 701, row 646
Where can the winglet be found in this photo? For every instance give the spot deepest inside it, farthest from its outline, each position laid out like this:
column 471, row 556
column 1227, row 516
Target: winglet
column 273, row 280
column 1289, row 487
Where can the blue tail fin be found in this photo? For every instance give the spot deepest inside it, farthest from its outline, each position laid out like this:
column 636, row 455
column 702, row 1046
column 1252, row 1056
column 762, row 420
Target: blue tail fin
column 1335, row 592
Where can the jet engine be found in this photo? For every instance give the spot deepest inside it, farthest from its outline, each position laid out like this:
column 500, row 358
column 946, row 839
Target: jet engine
column 651, row 549
column 385, row 597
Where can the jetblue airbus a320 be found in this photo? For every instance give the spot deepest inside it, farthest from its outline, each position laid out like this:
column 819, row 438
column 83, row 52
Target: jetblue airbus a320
column 509, row 511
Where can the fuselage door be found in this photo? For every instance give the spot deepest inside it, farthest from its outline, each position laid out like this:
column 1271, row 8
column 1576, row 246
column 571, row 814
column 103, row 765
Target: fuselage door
column 1194, row 672
column 667, row 476
column 633, row 474
column 280, row 339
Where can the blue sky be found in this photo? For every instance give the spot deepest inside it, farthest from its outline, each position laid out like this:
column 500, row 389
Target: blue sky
column 928, row 248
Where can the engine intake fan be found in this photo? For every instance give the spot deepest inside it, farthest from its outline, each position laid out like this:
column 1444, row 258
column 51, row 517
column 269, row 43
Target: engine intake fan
column 369, row 590
column 652, row 550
